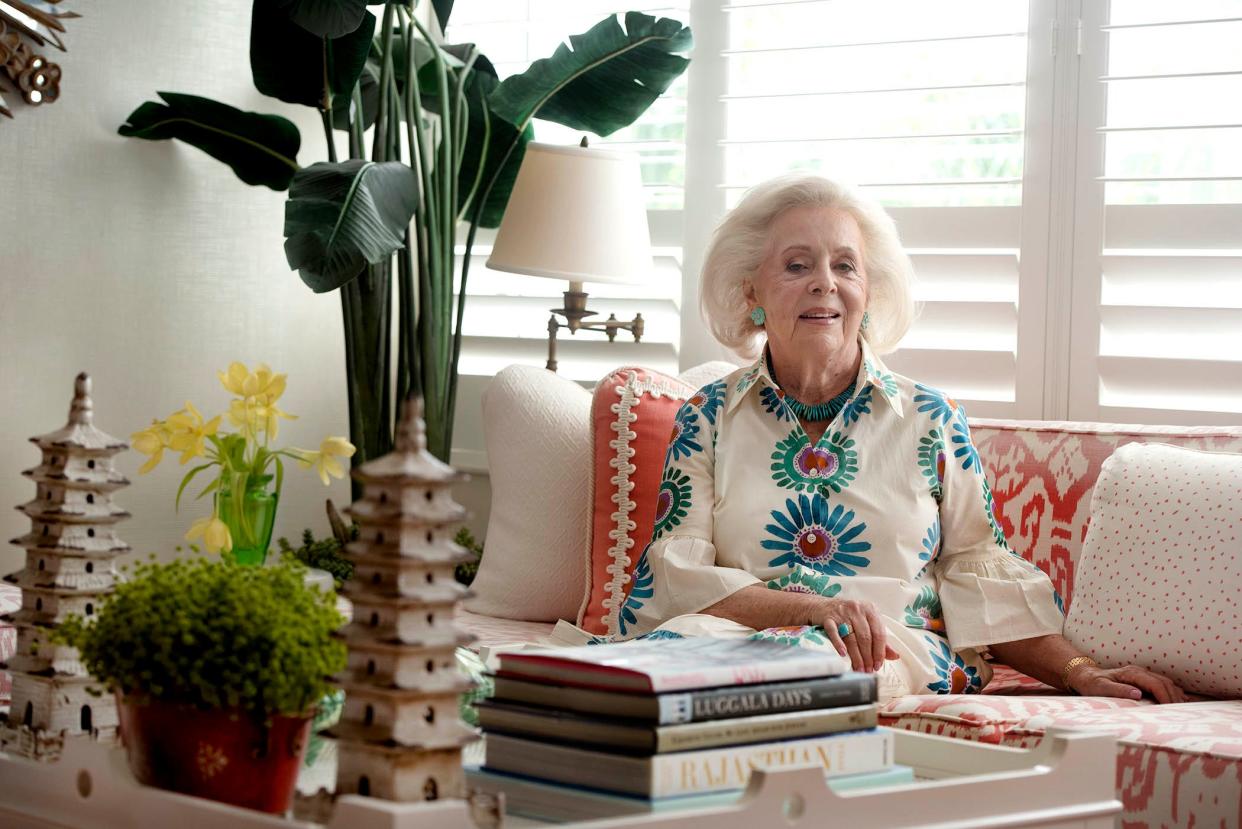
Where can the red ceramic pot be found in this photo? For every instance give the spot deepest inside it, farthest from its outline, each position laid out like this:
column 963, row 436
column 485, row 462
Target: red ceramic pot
column 219, row 754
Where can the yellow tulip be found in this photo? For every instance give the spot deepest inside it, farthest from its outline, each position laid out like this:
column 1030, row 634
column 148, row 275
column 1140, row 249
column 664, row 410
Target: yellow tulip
column 188, row 433
column 251, row 417
column 263, row 387
column 151, row 441
column 214, row 532
column 234, row 380
column 325, row 460
column 244, row 415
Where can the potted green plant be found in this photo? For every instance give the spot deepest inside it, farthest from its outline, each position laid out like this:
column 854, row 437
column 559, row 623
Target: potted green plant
column 217, row 670
column 447, row 138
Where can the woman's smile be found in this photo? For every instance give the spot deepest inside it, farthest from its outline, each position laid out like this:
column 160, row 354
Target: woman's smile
column 820, row 316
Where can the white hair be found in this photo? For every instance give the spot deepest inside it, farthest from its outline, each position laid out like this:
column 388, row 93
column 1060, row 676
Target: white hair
column 740, row 241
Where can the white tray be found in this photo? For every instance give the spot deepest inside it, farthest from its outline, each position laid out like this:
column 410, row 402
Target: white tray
column 1067, row 781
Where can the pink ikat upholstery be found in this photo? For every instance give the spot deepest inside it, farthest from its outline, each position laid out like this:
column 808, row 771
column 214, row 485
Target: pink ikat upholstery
column 1177, row 765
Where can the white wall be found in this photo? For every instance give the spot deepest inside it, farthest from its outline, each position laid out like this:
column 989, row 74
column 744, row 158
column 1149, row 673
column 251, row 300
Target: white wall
column 150, row 265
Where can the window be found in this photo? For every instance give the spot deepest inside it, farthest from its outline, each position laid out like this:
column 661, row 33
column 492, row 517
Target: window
column 927, row 111
column 1158, row 268
column 1066, row 175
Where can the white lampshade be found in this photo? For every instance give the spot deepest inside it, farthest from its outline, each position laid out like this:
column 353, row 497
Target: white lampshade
column 576, row 213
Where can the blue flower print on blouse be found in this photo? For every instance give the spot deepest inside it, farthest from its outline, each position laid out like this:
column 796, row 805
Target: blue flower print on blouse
column 931, row 542
column 747, row 380
column 708, row 400
column 657, row 635
column 684, row 439
column 955, row 676
column 859, row 404
column 925, row 612
column 932, row 459
column 808, row 534
column 965, row 450
column 796, row 635
column 673, row 501
column 935, row 403
column 802, row 580
column 798, row 465
column 886, row 381
column 774, row 403
column 641, row 589
column 989, row 508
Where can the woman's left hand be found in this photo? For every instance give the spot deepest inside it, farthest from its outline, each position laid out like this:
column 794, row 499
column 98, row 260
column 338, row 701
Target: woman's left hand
column 1130, row 682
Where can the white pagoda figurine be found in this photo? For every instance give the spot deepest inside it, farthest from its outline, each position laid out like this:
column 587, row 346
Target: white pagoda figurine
column 400, row 735
column 71, row 552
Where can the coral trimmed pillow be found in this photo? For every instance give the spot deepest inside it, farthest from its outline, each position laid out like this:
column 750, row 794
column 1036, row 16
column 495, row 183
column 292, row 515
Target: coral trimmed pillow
column 537, row 426
column 1157, row 582
column 632, row 416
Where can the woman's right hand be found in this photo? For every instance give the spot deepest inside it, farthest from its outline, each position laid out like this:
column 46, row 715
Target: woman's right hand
column 866, row 644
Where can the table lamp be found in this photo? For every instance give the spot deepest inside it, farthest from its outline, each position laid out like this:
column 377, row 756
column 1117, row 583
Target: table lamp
column 577, row 213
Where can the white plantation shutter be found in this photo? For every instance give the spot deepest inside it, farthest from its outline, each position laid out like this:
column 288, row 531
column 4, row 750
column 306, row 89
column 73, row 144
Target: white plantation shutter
column 507, row 314
column 1158, row 265
column 924, row 106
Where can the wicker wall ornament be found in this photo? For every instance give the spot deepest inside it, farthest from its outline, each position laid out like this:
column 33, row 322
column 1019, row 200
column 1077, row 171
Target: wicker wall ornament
column 71, row 553
column 24, row 26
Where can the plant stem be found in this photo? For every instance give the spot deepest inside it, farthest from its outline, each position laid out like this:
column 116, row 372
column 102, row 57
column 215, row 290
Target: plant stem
column 327, row 133
column 378, row 149
column 465, row 271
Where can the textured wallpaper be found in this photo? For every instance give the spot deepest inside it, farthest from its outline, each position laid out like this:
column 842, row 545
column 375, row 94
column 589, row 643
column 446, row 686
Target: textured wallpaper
column 150, row 265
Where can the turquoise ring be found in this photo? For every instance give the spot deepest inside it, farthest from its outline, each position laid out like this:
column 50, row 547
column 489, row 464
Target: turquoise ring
column 844, row 629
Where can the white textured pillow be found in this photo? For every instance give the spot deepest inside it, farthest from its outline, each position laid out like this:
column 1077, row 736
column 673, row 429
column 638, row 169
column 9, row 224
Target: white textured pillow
column 1161, row 567
column 537, row 426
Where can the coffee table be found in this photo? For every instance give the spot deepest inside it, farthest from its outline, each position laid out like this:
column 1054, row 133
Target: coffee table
column 1067, row 781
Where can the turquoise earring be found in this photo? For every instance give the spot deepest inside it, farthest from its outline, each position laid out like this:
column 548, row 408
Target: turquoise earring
column 865, row 320
column 757, row 316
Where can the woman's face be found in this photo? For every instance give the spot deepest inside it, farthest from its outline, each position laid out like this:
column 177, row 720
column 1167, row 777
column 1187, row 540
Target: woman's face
column 811, row 283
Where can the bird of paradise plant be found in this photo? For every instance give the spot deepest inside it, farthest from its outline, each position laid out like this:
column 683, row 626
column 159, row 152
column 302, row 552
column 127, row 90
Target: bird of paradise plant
column 244, row 508
column 447, row 139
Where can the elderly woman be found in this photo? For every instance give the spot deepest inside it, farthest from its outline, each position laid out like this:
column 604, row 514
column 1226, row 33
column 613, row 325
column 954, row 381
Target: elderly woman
column 817, row 498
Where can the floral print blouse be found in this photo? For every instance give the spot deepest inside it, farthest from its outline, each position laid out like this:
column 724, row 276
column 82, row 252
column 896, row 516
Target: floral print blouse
column 890, row 506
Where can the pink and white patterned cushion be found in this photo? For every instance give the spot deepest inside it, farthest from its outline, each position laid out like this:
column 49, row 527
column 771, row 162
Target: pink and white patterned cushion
column 1043, row 474
column 1161, row 566
column 1177, row 765
column 988, row 718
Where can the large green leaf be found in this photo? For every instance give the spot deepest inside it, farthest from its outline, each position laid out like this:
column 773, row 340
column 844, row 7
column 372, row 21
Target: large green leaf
column 261, row 149
column 325, row 18
column 287, row 61
column 342, row 216
column 500, row 135
column 369, row 81
column 603, row 80
column 442, row 8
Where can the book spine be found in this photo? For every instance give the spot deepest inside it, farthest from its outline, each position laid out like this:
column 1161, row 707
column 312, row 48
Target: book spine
column 744, row 701
column 729, row 768
column 738, row 732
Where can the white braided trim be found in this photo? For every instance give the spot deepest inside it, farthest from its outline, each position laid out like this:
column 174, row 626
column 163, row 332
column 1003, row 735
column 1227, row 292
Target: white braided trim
column 628, row 394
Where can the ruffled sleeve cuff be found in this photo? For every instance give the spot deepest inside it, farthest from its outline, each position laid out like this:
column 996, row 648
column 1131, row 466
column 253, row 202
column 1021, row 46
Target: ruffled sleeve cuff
column 994, row 598
column 687, row 580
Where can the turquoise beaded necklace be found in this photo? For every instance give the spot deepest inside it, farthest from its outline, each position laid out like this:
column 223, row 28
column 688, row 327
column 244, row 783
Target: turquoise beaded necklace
column 819, row 411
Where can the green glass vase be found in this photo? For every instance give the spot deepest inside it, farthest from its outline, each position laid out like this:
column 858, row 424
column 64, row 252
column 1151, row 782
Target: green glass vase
column 250, row 515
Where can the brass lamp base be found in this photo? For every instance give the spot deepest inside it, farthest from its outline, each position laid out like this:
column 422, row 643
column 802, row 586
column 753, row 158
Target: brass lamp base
column 575, row 312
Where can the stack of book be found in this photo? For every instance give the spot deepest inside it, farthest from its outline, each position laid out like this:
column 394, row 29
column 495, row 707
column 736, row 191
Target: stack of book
column 608, row 730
